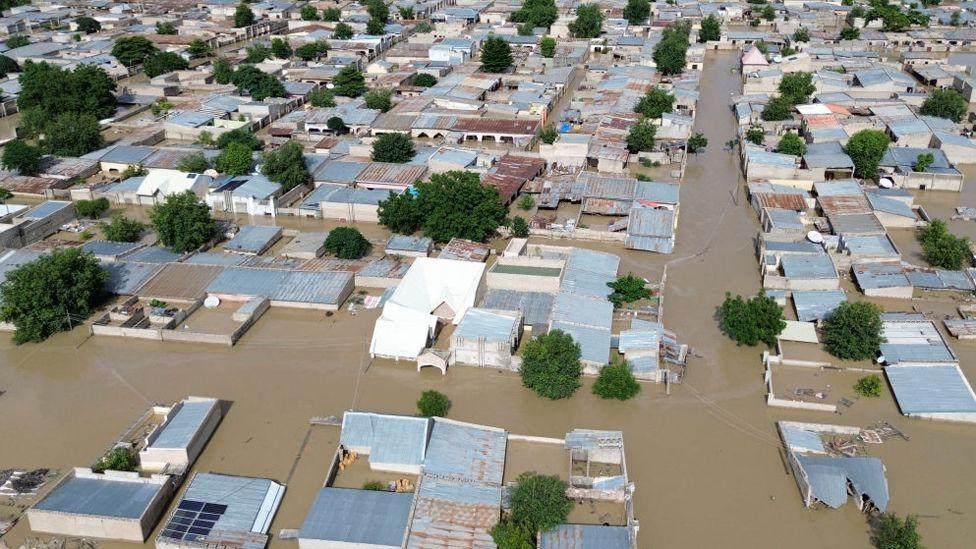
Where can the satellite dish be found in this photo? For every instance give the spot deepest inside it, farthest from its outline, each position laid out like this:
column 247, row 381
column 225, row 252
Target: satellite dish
column 815, row 237
column 211, row 173
column 330, row 85
column 211, row 302
column 886, row 183
column 880, row 359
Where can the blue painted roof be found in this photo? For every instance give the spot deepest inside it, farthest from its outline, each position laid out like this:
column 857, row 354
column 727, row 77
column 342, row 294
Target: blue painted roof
column 100, row 497
column 358, row 517
column 938, row 388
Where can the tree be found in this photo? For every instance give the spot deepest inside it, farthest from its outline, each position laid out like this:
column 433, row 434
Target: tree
column 235, row 159
column 548, row 134
column 801, row 35
column 346, row 243
column 5, row 195
column 223, row 72
column 551, row 365
column 260, row 85
column 797, row 87
column 655, row 102
column 163, row 62
column 239, row 135
column 697, row 142
column 711, row 29
column 122, row 229
column 641, row 137
column 749, row 321
column 849, row 33
column 117, row 459
column 853, row 330
column 258, row 53
column 539, row 502
column 401, row 213
column 792, row 143
column 768, row 13
column 496, row 55
column 92, row 209
column 433, row 403
column 286, row 165
column 423, row 27
column 280, row 48
column 670, row 54
column 406, row 12
column 507, row 534
column 616, row 381
column 423, row 80
column 182, row 222
column 923, row 161
column 393, row 147
column 755, row 135
column 588, row 22
column 331, row 15
column 380, row 100
column 322, row 98
column 537, row 13
column 87, row 25
column 349, row 82
column 869, row 386
column 456, row 204
column 165, row 28
column 243, row 16
column 892, row 532
column 17, row 41
column 18, row 155
column 8, row 65
column 198, row 48
column 520, row 228
column 942, row 248
column 945, row 104
column 342, row 31
column 547, row 46
column 955, row 19
column 866, row 148
column 72, row 134
column 637, row 11
column 627, row 289
column 194, row 163
column 778, row 107
column 132, row 50
column 375, row 27
column 336, row 125
column 312, row 50
column 51, row 294
column 377, row 9
column 309, row 13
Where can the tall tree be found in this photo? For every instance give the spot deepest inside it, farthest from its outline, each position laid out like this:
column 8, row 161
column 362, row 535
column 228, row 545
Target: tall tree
column 280, row 48
column 711, row 29
column 536, row 13
column 945, row 104
column 637, row 12
column 853, row 330
column 588, row 22
column 866, row 148
column 349, row 82
column 88, row 25
column 655, row 102
column 286, row 165
column 18, row 155
column 243, row 16
column 163, row 62
column 547, row 47
column 236, row 159
column 342, row 31
column 132, row 50
column 551, row 365
column 670, row 54
column 182, row 222
column 71, row 134
column 393, row 147
column 496, row 55
column 641, row 137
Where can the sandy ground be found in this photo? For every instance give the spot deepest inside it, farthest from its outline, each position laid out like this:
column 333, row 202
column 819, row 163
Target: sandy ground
column 706, row 459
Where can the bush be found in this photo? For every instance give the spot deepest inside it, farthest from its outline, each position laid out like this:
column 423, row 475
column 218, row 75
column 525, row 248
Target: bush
column 507, row 534
column 641, row 137
column 548, row 134
column 122, row 229
column 777, row 108
column 588, row 22
column 5, row 195
column 853, row 330
column 286, row 165
column 551, row 365
column 433, row 403
column 616, row 381
column 547, row 47
column 627, row 289
column 869, row 386
column 346, row 243
column 349, row 82
column 194, row 163
column 322, row 98
column 520, row 229
column 374, row 485
column 756, row 135
column 749, row 321
column 393, row 147
column 945, row 104
column 849, row 33
column 423, row 27
column 697, row 142
column 380, row 100
column 92, row 209
column 117, row 459
column 792, row 143
column 892, row 532
column 182, row 222
column 526, row 202
column 797, row 87
column 942, row 248
column 424, row 80
column 240, row 135
column 539, row 502
column 866, row 148
column 236, row 159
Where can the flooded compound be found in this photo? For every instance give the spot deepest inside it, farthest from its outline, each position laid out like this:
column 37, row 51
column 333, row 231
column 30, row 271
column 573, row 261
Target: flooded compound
column 706, row 459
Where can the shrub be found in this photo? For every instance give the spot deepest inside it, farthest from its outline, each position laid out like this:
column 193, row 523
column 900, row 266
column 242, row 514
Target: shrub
column 641, row 137
column 507, row 534
column 18, row 155
column 892, row 532
column 236, row 159
column 869, row 386
column 655, row 102
column 322, row 98
column 551, row 365
column 548, row 134
column 697, row 142
column 378, row 99
column 374, row 485
column 346, row 243
column 853, row 330
column 942, row 248
column 849, row 33
column 749, row 321
column 122, row 229
column 424, row 80
column 496, row 55
column 777, row 108
column 117, row 459
column 5, row 195
column 194, row 163
column 756, row 135
column 627, row 289
column 792, row 143
column 433, row 403
column 616, row 381
column 92, row 209
column 520, row 229
column 526, row 202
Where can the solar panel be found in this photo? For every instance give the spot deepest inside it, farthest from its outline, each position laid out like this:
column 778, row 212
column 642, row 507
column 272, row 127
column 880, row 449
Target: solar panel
column 193, row 520
column 214, row 508
column 191, row 505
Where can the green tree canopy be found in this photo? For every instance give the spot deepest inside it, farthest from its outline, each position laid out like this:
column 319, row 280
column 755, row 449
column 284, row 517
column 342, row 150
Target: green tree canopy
column 923, row 161
column 551, row 365
column 8, row 65
column 346, row 243
column 71, row 134
column 260, row 85
column 194, row 163
column 801, row 35
column 866, row 148
column 749, row 321
column 286, row 165
column 548, row 134
column 423, row 27
column 401, row 213
column 792, row 143
column 945, row 104
column 393, row 147
column 797, row 87
column 223, row 72
column 381, row 100
column 853, row 330
column 88, row 25
column 312, row 50
column 547, row 47
column 892, row 532
column 637, row 12
column 122, row 229
column 322, row 98
column 48, row 91
column 655, row 102
column 239, row 135
column 641, row 137
column 617, row 382
column 869, row 386
column 377, row 9
column 165, row 27
column 92, row 209
column 18, row 155
column 342, row 31
column 17, row 41
column 332, row 15
column 942, row 248
column 336, row 125
column 117, row 459
column 849, row 33
column 537, row 13
column 507, row 534
column 132, row 50
column 627, row 289
column 433, row 403
column 258, row 53
column 164, row 62
column 520, row 228
column 198, row 48
column 711, row 29
column 235, row 159
column 670, row 54
column 496, row 55
column 182, row 222
column 243, row 16
column 697, row 142
column 539, row 502
column 588, row 22
column 756, row 135
column 375, row 27
column 349, row 82
column 779, row 107
column 280, row 48
column 51, row 294
column 309, row 13
column 424, row 80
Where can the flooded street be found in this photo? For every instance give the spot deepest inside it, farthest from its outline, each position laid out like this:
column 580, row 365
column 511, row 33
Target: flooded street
column 706, row 460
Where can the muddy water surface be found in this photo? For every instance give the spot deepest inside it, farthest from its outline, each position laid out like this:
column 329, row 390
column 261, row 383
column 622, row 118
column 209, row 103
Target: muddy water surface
column 705, row 459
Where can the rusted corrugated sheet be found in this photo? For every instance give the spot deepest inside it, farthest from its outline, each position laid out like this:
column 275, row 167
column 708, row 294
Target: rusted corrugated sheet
column 847, row 204
column 388, row 174
column 786, row 201
column 496, row 126
column 508, row 186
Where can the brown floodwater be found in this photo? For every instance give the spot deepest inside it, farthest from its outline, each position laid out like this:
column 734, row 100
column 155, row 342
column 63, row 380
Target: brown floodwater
column 706, row 459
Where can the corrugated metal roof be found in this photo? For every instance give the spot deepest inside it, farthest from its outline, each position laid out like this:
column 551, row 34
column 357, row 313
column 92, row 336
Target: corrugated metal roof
column 358, row 517
column 921, row 389
column 406, row 243
column 534, row 306
column 184, row 424
column 816, row 304
column 249, row 505
column 392, row 439
column 856, row 223
column 870, row 244
column 641, row 337
column 584, row 311
column 46, row 208
column 254, row 239
column 101, row 497
column 828, row 478
column 465, row 452
column 586, row 536
column 487, row 325
column 808, row 266
column 107, row 248
column 180, row 281
column 215, row 258
column 594, row 342
column 125, row 278
column 153, row 254
column 450, row 513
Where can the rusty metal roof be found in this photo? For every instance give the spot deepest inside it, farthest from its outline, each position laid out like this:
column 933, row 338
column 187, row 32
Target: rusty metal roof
column 847, row 204
column 497, row 126
column 387, row 174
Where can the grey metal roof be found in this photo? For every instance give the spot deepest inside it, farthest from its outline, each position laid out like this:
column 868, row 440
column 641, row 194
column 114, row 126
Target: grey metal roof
column 343, row 194
column 856, row 223
column 798, row 439
column 153, row 254
column 585, row 311
column 46, row 208
column 12, row 259
column 281, row 285
column 358, row 517
column 107, row 248
column 534, row 306
column 125, row 278
column 838, row 187
column 586, row 536
column 808, row 266
column 339, row 172
column 253, row 239
column 784, row 220
column 884, row 204
column 486, row 325
column 465, row 452
column 215, row 258
column 816, row 304
column 828, row 477
column 938, row 388
column 905, row 158
column 406, row 243
column 594, row 342
column 870, row 244
column 100, row 497
column 642, row 336
column 393, row 439
column 184, row 424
